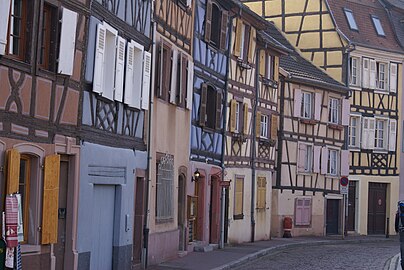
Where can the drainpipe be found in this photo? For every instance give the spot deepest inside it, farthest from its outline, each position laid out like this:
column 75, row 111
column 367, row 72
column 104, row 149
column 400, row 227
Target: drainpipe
column 280, row 132
column 253, row 171
column 145, row 249
column 223, row 193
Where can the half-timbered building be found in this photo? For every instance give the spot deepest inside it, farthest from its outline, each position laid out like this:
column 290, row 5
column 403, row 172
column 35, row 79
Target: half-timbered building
column 41, row 47
column 354, row 42
column 251, row 129
column 170, row 122
column 210, row 54
column 114, row 109
column 312, row 154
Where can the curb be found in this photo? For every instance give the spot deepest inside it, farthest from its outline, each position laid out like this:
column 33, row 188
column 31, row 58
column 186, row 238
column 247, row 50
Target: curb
column 393, row 263
column 270, row 250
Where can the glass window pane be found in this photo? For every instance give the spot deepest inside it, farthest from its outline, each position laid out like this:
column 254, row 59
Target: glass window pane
column 351, row 19
column 378, row 26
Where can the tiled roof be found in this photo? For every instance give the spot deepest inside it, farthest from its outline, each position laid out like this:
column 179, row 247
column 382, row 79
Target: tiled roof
column 301, row 69
column 396, row 14
column 366, row 35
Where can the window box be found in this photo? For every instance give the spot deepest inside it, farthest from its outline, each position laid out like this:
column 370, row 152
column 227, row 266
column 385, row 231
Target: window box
column 270, row 83
column 335, row 126
column 243, row 64
column 239, row 137
column 268, row 142
column 240, row 216
column 308, row 121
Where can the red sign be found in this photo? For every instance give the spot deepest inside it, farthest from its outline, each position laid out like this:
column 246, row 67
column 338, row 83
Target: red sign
column 344, row 181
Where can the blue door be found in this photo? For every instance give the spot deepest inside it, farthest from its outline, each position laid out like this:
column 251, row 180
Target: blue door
column 103, row 227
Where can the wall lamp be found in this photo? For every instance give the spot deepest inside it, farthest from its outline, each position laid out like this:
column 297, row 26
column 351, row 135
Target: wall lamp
column 196, row 176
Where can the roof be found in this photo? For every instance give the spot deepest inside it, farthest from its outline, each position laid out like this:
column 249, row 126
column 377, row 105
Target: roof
column 396, row 3
column 300, row 69
column 396, row 15
column 363, row 10
column 266, row 38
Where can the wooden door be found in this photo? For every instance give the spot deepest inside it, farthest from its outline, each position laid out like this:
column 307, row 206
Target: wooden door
column 103, row 227
column 332, row 216
column 139, row 218
column 60, row 247
column 226, row 214
column 377, row 208
column 351, row 206
column 181, row 212
column 214, row 217
column 200, row 217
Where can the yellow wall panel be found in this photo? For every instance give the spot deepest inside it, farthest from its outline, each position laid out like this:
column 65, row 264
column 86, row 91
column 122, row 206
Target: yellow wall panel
column 318, row 59
column 277, row 21
column 334, row 58
column 307, row 55
column 294, row 6
column 335, row 73
column 313, row 6
column 311, row 22
column 256, row 7
column 327, row 22
column 273, row 7
column 331, row 40
column 309, row 40
column 292, row 23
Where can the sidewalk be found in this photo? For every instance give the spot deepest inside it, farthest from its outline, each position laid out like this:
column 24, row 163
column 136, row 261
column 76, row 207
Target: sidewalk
column 232, row 256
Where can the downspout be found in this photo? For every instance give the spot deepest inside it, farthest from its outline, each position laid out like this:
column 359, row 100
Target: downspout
column 253, row 172
column 280, row 132
column 145, row 249
column 223, row 193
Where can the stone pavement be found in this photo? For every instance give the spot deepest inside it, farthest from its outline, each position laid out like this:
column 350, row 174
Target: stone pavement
column 236, row 255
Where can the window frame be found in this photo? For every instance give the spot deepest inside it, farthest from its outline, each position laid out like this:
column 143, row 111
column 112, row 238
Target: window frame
column 23, row 38
column 384, row 131
column 351, row 19
column 385, row 73
column 169, row 217
column 304, row 103
column 302, row 223
column 357, row 131
column 237, row 116
column 25, row 200
column 217, row 25
column 336, row 162
column 264, row 126
column 269, row 66
column 357, row 71
column 334, row 105
column 237, row 215
column 377, row 23
column 50, row 26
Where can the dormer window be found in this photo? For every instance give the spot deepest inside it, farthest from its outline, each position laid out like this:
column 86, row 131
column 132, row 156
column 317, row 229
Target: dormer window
column 378, row 26
column 351, row 20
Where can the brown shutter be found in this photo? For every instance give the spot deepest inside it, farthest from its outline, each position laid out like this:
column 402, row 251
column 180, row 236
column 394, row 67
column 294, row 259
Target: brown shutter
column 184, row 79
column 246, row 41
column 50, row 200
column 167, row 64
column 274, row 127
column 262, row 62
column 208, row 21
column 218, row 124
column 245, row 119
column 276, row 68
column 258, row 125
column 13, row 171
column 237, row 43
column 251, row 47
column 223, row 32
column 233, row 107
column 159, row 71
column 202, row 107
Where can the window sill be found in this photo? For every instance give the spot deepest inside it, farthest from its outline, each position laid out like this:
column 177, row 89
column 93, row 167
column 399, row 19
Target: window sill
column 243, row 64
column 305, row 173
column 332, row 175
column 270, row 83
column 381, row 91
column 238, row 217
column 380, row 151
column 335, row 126
column 308, row 121
column 354, row 148
column 164, row 220
column 30, row 248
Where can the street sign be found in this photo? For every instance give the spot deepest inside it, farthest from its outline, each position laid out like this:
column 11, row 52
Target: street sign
column 343, row 185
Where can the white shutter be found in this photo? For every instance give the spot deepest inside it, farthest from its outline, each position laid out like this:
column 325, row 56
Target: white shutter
column 190, row 84
column 4, row 18
column 324, row 160
column 67, row 42
column 317, row 106
column 98, row 81
column 372, row 79
column 297, row 103
column 129, row 84
column 344, row 162
column 173, row 88
column 146, row 80
column 392, row 134
column 365, row 133
column 316, row 158
column 393, row 77
column 345, row 112
column 371, row 135
column 119, row 69
column 365, row 75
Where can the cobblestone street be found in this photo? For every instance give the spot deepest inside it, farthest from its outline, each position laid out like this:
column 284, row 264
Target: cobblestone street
column 346, row 256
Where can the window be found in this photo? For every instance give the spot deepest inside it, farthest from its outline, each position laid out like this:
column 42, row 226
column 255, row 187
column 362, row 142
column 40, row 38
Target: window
column 238, row 198
column 238, row 105
column 18, row 39
column 215, row 25
column 302, row 211
column 351, row 20
column 333, row 111
column 163, row 76
column 307, row 105
column 333, row 162
column 378, row 25
column 210, row 108
column 381, row 134
column 24, row 188
column 305, row 158
column 382, row 76
column 245, row 40
column 269, row 72
column 164, row 188
column 354, row 124
column 264, row 126
column 354, row 64
column 261, row 192
column 48, row 38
